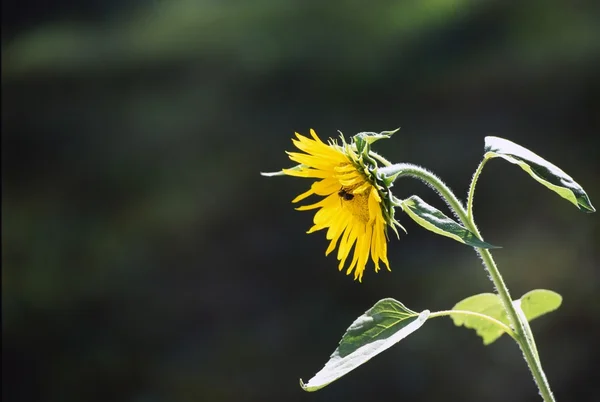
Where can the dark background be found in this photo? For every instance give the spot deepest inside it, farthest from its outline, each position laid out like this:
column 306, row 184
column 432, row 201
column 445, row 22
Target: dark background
column 144, row 259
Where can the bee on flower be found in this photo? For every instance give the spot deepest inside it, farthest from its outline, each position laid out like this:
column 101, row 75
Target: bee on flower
column 356, row 204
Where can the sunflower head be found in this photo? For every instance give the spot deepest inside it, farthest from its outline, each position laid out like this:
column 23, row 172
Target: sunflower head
column 356, row 205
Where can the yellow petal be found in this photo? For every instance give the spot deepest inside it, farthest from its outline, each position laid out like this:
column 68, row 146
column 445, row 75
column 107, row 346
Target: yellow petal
column 303, row 195
column 307, row 173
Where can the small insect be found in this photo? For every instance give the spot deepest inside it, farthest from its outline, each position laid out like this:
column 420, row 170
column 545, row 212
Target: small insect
column 345, row 195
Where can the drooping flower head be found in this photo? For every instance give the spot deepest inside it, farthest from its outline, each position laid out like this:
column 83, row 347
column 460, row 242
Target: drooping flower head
column 356, row 206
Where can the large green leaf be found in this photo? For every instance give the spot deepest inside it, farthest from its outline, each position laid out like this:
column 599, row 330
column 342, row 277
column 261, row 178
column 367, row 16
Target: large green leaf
column 487, row 304
column 432, row 219
column 533, row 304
column 540, row 169
column 379, row 328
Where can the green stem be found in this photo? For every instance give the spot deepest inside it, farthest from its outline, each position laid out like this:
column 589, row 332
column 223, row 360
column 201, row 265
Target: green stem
column 528, row 332
column 472, row 189
column 380, row 158
column 410, row 170
column 522, row 329
column 524, row 334
column 494, row 321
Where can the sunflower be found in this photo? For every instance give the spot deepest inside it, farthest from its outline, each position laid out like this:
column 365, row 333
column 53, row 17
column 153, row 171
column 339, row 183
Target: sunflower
column 351, row 209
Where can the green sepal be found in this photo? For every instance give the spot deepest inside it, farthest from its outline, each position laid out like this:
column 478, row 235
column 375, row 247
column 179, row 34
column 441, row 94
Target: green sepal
column 533, row 304
column 364, row 139
column 389, row 180
column 435, row 221
column 540, row 169
column 379, row 328
column 368, row 137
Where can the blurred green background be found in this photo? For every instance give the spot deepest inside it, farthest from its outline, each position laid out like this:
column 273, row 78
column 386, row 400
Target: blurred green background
column 144, row 259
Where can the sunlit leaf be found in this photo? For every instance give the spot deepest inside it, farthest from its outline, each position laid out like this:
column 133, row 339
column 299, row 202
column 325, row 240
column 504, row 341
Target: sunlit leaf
column 533, row 304
column 433, row 220
column 485, row 303
column 539, row 302
column 379, row 328
column 540, row 169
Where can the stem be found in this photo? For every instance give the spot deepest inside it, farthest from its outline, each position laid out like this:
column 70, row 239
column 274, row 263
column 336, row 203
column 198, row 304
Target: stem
column 380, row 158
column 410, row 170
column 500, row 324
column 522, row 329
column 528, row 333
column 471, row 195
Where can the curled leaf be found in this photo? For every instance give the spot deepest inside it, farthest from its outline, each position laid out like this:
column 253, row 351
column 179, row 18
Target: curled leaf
column 540, row 169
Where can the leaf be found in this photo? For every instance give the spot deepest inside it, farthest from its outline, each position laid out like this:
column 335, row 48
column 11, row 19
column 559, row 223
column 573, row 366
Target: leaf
column 485, row 303
column 540, row 169
column 434, row 220
column 379, row 328
column 538, row 302
column 533, row 304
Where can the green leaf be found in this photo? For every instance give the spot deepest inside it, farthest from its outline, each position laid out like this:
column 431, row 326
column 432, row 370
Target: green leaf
column 540, row 169
column 538, row 302
column 485, row 303
column 533, row 304
column 379, row 328
column 432, row 219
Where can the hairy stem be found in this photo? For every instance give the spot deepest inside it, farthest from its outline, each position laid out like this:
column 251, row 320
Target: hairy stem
column 471, row 195
column 524, row 336
column 417, row 172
